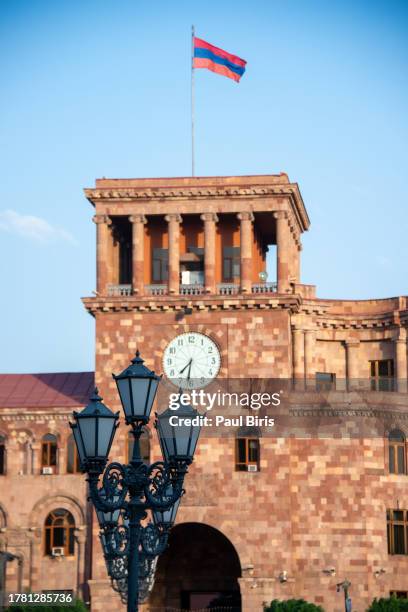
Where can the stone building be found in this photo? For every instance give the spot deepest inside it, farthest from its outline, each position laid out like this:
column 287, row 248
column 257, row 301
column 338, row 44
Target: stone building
column 43, row 510
column 264, row 516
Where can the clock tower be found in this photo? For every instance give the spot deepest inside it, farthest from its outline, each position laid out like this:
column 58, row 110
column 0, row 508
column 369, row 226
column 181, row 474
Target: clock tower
column 181, row 276
column 189, row 254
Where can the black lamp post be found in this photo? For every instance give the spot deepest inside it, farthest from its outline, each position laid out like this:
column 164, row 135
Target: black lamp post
column 123, row 494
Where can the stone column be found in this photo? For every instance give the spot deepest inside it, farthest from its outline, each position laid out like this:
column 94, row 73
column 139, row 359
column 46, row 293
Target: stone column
column 310, row 349
column 36, row 449
column 138, row 222
column 298, row 340
column 283, row 238
column 80, row 536
column 246, row 242
column 210, row 219
column 103, row 237
column 401, row 362
column 174, row 221
column 352, row 362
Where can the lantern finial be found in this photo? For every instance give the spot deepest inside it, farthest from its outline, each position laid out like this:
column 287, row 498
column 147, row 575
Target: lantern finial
column 137, row 360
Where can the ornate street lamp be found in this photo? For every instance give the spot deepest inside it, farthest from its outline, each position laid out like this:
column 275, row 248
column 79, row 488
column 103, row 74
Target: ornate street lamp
column 124, row 494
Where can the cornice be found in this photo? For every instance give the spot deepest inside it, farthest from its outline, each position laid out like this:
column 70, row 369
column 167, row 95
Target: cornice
column 175, row 304
column 8, row 414
column 126, row 195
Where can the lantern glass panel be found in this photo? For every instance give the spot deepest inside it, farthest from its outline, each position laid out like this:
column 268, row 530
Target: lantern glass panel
column 180, row 440
column 154, row 383
column 79, row 444
column 105, row 428
column 167, row 516
column 124, row 392
column 87, row 427
column 140, row 391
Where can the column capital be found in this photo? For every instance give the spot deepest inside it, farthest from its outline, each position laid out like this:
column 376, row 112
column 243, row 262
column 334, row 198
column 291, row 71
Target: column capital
column 173, row 217
column 280, row 214
column 209, row 217
column 137, row 219
column 401, row 335
column 102, row 219
column 245, row 216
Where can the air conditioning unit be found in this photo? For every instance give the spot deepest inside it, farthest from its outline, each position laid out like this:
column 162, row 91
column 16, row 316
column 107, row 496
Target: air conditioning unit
column 252, row 468
column 47, row 470
column 57, row 551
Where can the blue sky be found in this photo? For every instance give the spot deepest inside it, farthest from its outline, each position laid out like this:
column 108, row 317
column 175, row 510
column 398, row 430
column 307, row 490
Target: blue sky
column 93, row 88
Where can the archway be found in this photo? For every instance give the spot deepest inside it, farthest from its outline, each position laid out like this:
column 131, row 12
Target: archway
column 198, row 571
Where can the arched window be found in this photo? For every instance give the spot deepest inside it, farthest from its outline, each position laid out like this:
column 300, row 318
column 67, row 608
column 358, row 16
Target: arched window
column 59, row 533
column 49, row 447
column 2, row 455
column 144, row 446
column 397, row 448
column 73, row 466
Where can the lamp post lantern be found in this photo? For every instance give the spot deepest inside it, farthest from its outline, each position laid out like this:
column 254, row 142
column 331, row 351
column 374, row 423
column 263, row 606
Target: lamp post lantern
column 123, row 495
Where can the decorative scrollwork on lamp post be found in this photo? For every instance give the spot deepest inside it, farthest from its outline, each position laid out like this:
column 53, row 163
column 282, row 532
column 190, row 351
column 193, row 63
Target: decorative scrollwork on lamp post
column 125, row 495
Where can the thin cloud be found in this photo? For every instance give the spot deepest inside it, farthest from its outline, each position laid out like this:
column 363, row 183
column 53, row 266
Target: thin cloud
column 34, row 228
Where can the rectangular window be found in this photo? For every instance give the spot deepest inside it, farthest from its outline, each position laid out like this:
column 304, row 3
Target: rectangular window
column 325, row 381
column 397, row 532
column 382, row 375
column 399, row 594
column 49, row 454
column 231, row 265
column 160, row 265
column 247, row 454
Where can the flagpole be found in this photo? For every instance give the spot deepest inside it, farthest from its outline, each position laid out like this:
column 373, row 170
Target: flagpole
column 192, row 101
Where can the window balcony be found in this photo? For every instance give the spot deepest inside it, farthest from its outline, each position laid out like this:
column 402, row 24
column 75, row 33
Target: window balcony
column 192, row 289
column 227, row 289
column 119, row 290
column 265, row 288
column 195, row 289
column 156, row 289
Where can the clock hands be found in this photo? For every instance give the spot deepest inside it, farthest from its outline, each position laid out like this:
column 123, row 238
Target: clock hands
column 188, row 365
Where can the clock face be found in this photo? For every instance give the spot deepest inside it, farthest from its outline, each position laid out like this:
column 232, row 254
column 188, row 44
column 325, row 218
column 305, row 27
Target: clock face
column 191, row 360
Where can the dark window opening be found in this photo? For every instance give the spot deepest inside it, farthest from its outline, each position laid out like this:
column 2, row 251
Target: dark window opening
column 2, row 455
column 122, row 237
column 231, row 263
column 247, row 454
column 160, row 265
column 397, row 532
column 382, row 375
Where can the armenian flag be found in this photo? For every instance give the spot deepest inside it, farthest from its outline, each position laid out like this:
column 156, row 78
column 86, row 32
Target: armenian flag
column 217, row 60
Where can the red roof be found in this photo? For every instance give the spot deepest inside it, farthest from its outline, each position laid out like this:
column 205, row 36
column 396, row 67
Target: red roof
column 63, row 389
